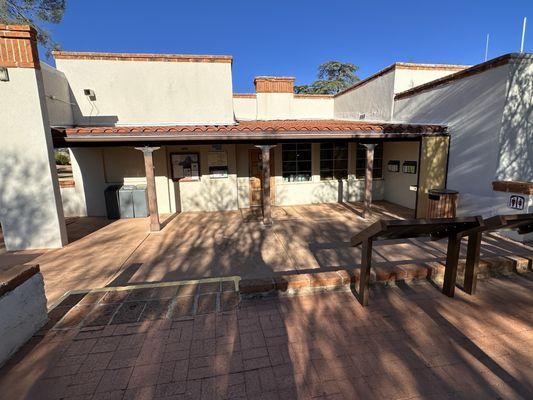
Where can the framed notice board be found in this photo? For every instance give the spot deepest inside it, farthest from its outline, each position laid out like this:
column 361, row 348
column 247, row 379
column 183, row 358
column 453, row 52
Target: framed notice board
column 217, row 162
column 185, row 166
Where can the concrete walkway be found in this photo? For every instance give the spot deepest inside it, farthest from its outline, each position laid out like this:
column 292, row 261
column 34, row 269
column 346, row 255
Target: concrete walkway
column 223, row 244
column 410, row 343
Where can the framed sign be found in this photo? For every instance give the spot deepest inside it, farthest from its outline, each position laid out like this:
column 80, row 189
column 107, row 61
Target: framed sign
column 185, row 166
column 516, row 202
column 393, row 166
column 409, row 167
column 217, row 162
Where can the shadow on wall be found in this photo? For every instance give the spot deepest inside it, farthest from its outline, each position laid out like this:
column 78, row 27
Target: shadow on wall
column 516, row 136
column 27, row 220
column 207, row 195
column 94, row 119
column 472, row 108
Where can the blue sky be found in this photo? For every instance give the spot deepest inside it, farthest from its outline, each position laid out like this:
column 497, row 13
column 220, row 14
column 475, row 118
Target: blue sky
column 292, row 38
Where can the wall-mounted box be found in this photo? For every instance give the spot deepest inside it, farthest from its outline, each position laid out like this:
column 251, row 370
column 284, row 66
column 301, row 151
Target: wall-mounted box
column 393, row 166
column 409, row 167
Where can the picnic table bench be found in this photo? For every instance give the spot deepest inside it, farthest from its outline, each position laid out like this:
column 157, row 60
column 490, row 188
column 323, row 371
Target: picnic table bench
column 452, row 228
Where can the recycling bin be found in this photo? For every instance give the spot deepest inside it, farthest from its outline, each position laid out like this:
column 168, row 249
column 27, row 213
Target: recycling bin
column 442, row 203
column 140, row 201
column 125, row 198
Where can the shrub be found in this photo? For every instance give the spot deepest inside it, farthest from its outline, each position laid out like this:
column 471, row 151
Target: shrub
column 62, row 158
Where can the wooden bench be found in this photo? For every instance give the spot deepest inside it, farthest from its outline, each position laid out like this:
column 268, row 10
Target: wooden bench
column 452, row 228
column 523, row 223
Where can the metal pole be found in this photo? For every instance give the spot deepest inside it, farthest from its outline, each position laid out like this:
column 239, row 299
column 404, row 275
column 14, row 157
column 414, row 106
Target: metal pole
column 487, row 48
column 523, row 35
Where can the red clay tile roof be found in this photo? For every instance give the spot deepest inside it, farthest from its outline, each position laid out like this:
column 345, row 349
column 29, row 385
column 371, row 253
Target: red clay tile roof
column 257, row 127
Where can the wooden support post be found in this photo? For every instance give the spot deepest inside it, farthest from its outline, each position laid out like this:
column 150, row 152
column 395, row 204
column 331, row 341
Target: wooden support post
column 364, row 277
column 155, row 225
column 452, row 261
column 472, row 262
column 367, row 211
column 265, row 183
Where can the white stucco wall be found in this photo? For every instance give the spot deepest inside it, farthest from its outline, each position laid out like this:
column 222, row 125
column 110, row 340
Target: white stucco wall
column 472, row 107
column 373, row 98
column 275, row 106
column 30, row 204
column 89, row 177
column 515, row 144
column 23, row 312
column 405, row 79
column 57, row 96
column 245, row 108
column 150, row 92
column 397, row 184
column 312, row 108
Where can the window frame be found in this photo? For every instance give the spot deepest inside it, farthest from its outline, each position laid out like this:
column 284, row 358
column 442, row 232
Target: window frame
column 342, row 146
column 293, row 177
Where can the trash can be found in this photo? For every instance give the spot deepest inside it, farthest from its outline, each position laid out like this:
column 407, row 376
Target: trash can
column 442, row 203
column 140, row 201
column 125, row 199
column 111, row 201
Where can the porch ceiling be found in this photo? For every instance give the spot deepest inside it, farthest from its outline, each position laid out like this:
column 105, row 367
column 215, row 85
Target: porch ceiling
column 249, row 130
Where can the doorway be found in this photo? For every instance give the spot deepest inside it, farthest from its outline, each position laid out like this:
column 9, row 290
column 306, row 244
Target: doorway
column 256, row 191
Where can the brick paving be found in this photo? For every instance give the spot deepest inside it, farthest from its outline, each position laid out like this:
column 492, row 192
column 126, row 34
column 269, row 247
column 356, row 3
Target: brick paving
column 166, row 343
column 200, row 245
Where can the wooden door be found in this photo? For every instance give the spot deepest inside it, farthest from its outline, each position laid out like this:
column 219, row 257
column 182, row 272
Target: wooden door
column 256, row 189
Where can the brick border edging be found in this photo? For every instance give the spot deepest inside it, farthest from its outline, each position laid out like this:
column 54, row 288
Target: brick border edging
column 343, row 279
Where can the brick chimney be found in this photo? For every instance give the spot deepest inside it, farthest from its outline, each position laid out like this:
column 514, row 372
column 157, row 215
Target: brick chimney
column 274, row 84
column 18, row 47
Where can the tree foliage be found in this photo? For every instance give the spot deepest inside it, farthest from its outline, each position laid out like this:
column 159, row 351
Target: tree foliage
column 36, row 13
column 333, row 76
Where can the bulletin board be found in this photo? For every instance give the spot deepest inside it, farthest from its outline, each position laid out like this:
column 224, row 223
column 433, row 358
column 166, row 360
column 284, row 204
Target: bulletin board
column 217, row 162
column 185, row 166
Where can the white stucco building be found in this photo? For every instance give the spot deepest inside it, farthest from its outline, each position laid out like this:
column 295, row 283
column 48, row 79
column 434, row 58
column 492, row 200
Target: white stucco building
column 210, row 149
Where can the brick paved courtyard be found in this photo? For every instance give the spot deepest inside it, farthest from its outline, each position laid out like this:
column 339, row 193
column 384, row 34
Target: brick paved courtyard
column 223, row 244
column 202, row 342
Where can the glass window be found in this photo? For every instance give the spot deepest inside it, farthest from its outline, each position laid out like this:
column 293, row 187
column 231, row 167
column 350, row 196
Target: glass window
column 296, row 162
column 360, row 162
column 333, row 160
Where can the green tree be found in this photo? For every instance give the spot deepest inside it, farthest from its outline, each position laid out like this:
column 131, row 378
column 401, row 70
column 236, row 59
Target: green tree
column 36, row 13
column 333, row 76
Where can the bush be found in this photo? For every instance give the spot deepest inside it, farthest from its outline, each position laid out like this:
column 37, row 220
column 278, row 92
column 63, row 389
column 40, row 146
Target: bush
column 62, row 159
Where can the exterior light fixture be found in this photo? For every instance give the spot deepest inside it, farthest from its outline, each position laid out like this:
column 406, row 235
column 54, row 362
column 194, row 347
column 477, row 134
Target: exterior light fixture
column 90, row 94
column 4, row 75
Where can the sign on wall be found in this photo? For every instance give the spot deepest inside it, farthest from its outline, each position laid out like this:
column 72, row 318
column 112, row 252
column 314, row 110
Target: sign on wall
column 185, row 166
column 217, row 162
column 516, row 202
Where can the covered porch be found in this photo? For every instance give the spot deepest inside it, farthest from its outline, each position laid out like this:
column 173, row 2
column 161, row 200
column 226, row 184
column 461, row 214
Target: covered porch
column 255, row 165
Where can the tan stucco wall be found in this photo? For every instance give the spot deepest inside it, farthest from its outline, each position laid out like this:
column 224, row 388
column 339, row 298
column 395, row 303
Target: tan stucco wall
column 207, row 194
column 149, row 92
column 397, row 184
column 322, row 191
column 31, row 213
column 57, row 96
column 433, row 164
